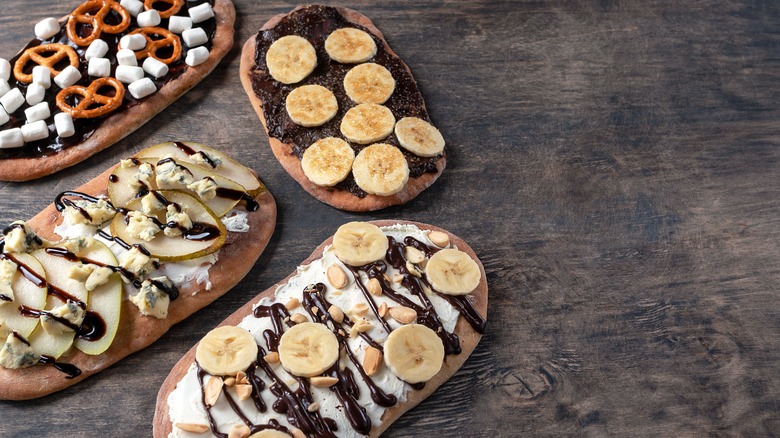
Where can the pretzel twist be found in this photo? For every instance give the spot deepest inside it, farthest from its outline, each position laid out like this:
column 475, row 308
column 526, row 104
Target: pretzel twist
column 165, row 39
column 90, row 97
column 37, row 55
column 172, row 10
column 94, row 13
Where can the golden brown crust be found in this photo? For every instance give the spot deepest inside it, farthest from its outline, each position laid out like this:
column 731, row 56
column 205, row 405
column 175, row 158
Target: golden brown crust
column 468, row 341
column 136, row 331
column 340, row 199
column 122, row 124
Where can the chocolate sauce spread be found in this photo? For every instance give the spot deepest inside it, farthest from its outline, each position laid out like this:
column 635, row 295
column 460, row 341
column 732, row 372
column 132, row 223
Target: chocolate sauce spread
column 86, row 127
column 294, row 403
column 315, row 23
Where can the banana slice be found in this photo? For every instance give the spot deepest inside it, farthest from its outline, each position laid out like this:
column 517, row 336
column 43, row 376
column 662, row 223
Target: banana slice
column 367, row 123
column 453, row 272
column 308, row 349
column 381, row 169
column 369, row 83
column 359, row 243
column 311, row 105
column 419, row 137
column 328, row 161
column 350, row 46
column 290, row 59
column 226, row 350
column 414, row 353
column 269, row 433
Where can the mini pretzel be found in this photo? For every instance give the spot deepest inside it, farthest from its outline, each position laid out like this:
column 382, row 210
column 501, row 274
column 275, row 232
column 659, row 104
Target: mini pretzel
column 173, row 10
column 165, row 39
column 93, row 13
column 90, row 97
column 37, row 55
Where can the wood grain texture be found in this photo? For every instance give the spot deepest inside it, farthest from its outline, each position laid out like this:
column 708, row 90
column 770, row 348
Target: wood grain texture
column 615, row 166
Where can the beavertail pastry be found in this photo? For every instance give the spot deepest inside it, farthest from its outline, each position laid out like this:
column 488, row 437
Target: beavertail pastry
column 94, row 76
column 342, row 112
column 107, row 269
column 377, row 318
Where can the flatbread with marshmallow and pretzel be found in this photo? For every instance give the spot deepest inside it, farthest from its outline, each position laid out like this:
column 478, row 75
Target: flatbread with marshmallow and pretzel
column 96, row 75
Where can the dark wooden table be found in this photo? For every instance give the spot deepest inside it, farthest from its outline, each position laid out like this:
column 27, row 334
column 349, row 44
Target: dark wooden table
column 615, row 165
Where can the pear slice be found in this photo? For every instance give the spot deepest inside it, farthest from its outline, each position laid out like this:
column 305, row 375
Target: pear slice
column 56, row 269
column 229, row 168
column 26, row 293
column 120, row 192
column 105, row 300
column 180, row 247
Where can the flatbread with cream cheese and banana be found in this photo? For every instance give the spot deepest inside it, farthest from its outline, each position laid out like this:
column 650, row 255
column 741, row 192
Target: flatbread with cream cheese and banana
column 377, row 318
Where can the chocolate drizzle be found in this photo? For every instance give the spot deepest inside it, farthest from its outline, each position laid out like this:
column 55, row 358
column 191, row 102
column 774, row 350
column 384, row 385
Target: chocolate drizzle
column 314, row 296
column 315, row 23
column 278, row 314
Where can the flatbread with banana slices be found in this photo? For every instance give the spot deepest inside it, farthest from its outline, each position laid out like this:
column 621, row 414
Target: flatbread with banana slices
column 378, row 317
column 342, row 112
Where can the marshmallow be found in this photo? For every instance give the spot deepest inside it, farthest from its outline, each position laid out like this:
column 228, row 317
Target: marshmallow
column 142, row 88
column 37, row 112
column 67, row 77
column 4, row 117
column 64, row 124
column 155, row 68
column 35, row 131
column 97, row 49
column 11, row 138
column 12, row 100
column 197, row 56
column 148, row 18
column 135, row 41
column 47, row 28
column 35, row 94
column 4, row 87
column 5, row 69
column 100, row 67
column 41, row 75
column 201, row 13
column 178, row 24
column 134, row 7
column 128, row 74
column 195, row 37
column 126, row 57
